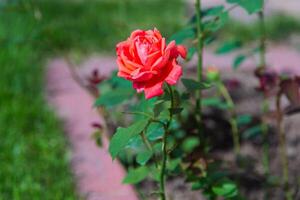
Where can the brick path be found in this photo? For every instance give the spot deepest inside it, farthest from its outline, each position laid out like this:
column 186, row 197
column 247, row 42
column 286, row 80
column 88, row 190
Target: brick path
column 98, row 178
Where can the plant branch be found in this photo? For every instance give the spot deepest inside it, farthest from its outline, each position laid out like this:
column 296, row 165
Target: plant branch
column 233, row 123
column 282, row 146
column 265, row 104
column 262, row 45
column 200, row 64
column 164, row 147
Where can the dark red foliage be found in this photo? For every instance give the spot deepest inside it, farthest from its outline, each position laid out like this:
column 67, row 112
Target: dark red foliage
column 95, row 78
column 232, row 84
column 290, row 87
column 268, row 80
column 97, row 125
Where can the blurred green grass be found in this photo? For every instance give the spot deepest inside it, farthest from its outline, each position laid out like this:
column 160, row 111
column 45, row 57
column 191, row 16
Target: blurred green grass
column 279, row 28
column 99, row 25
column 34, row 162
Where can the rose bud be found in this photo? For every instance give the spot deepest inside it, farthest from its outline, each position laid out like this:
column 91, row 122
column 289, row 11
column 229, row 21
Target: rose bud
column 147, row 61
column 213, row 74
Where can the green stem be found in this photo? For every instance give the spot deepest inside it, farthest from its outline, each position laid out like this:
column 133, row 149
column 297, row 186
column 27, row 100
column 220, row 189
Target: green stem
column 265, row 106
column 262, row 45
column 164, row 148
column 233, row 123
column 264, row 127
column 282, row 145
column 146, row 142
column 149, row 146
column 200, row 61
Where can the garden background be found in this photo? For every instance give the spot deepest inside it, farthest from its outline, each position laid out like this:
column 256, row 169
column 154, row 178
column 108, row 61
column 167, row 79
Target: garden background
column 35, row 152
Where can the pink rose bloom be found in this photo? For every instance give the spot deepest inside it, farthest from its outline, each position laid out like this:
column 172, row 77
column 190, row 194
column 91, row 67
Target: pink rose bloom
column 146, row 60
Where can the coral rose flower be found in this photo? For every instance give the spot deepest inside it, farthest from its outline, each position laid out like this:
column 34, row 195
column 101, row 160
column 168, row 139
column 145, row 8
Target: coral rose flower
column 146, row 60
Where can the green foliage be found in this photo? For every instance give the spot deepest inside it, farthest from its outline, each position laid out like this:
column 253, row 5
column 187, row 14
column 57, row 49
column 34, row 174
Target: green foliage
column 225, row 188
column 215, row 102
column 228, row 47
column 238, row 60
column 35, row 162
column 243, row 119
column 220, row 20
column 251, row 6
column 191, row 52
column 136, row 175
column 252, row 132
column 274, row 24
column 143, row 157
column 99, row 25
column 193, row 85
column 173, row 164
column 155, row 131
column 190, row 143
column 114, row 97
column 123, row 135
column 182, row 35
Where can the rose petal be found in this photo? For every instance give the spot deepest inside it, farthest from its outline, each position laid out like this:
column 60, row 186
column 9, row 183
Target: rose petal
column 138, row 86
column 143, row 76
column 182, row 51
column 136, row 33
column 122, row 67
column 154, row 90
column 175, row 73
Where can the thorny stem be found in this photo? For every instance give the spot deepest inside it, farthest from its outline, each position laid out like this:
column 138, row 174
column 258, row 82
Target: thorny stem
column 282, row 146
column 233, row 123
column 200, row 62
column 164, row 148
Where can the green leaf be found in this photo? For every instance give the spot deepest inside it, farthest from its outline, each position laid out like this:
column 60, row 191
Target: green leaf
column 251, row 6
column 217, row 22
column 144, row 107
column 190, row 143
column 192, row 85
column 114, row 97
column 190, row 53
column 175, row 111
column 155, row 173
column 216, row 10
column 200, row 184
column 143, row 157
column 155, row 131
column 172, row 164
column 176, row 99
column 214, row 102
column 117, row 82
column 228, row 47
column 243, row 119
column 238, row 60
column 225, row 188
column 252, row 132
column 158, row 107
column 123, row 135
column 136, row 175
column 180, row 36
